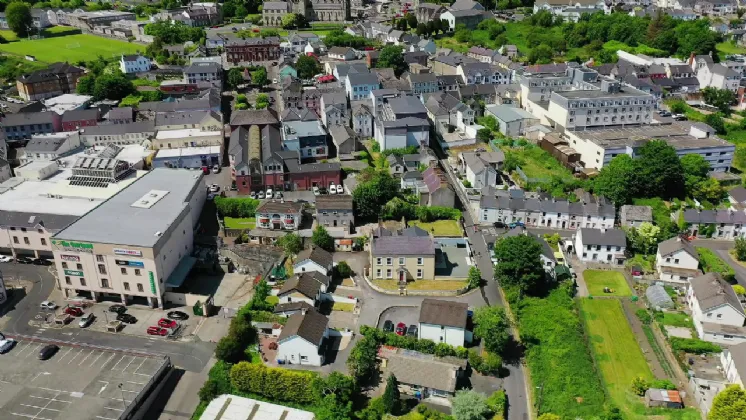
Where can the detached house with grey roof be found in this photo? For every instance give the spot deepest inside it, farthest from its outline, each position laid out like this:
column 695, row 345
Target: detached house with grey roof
column 334, row 212
column 634, row 216
column 402, row 257
column 677, row 259
column 717, row 312
column 359, row 85
column 605, row 246
column 302, row 339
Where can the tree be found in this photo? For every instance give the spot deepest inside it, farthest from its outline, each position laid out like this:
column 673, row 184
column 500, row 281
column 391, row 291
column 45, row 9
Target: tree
column 709, row 190
column 338, row 384
column 262, row 101
column 469, row 405
column 112, row 86
column 640, row 386
column 391, row 398
column 660, row 171
column 696, row 170
column 291, row 243
column 492, row 327
column 498, row 402
column 343, row 269
column 421, row 29
column 19, row 18
column 362, row 360
column 549, row 416
column 307, row 67
column 618, row 180
column 209, row 391
column 519, row 264
column 235, row 77
column 644, row 240
column 293, row 20
column 541, row 54
column 86, row 84
column 729, row 404
column 411, row 20
column 331, row 408
column 719, row 98
column 489, row 122
column 716, row 122
column 475, row 277
column 322, row 239
column 371, row 195
column 229, row 350
column 740, row 249
column 740, row 290
column 484, row 135
column 391, row 57
column 259, row 77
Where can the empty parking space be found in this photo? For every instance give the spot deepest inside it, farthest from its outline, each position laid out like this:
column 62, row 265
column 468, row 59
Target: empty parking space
column 78, row 382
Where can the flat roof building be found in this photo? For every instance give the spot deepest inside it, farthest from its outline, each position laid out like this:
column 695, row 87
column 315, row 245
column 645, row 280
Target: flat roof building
column 146, row 246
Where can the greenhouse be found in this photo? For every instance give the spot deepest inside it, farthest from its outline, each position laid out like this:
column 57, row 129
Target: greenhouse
column 658, row 297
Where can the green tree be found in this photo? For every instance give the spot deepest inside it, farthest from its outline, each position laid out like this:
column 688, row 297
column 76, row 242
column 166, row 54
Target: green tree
column 645, row 239
column 492, row 327
column 716, row 122
column 391, row 398
column 235, row 77
column 411, row 20
column 86, row 84
column 362, row 360
column 490, row 122
column 618, row 180
column 391, row 57
column 338, row 384
column 696, row 170
column 740, row 249
column 307, row 67
column 719, row 98
column 709, row 190
column 374, row 411
column 112, row 86
column 259, row 77
column 343, row 269
column 640, row 386
column 475, row 277
column 658, row 166
column 421, row 29
column 322, row 239
column 209, row 391
column 519, row 264
column 740, row 290
column 18, row 15
column 469, row 405
column 229, row 350
column 549, row 416
column 291, row 243
column 330, row 408
column 484, row 135
column 498, row 402
column 729, row 404
column 262, row 101
column 371, row 195
column 541, row 54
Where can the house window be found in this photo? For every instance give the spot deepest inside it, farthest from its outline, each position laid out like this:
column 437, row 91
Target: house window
column 43, row 241
column 99, row 258
column 80, row 266
column 124, row 270
column 105, row 283
column 137, row 271
column 126, row 286
column 388, row 273
column 102, row 269
column 82, row 281
column 304, row 358
column 720, row 316
column 709, row 315
column 139, row 287
column 401, row 260
column 420, row 261
column 26, row 241
column 419, row 273
column 67, row 280
column 389, row 261
column 379, row 261
column 64, row 264
column 378, row 273
column 668, row 260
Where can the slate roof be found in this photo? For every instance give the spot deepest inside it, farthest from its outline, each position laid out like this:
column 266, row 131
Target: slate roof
column 630, row 212
column 711, row 291
column 613, row 237
column 738, row 194
column 676, row 244
column 116, row 129
column 120, row 113
column 254, row 117
column 403, row 245
column 310, row 326
column 80, row 115
column 443, row 312
column 334, row 202
column 340, row 50
column 341, row 134
column 425, row 372
column 43, row 144
column 317, row 255
column 308, row 284
column 714, row 216
column 26, row 118
column 272, row 206
column 54, row 71
column 298, row 114
column 435, row 179
column 51, row 222
column 291, row 306
column 362, row 79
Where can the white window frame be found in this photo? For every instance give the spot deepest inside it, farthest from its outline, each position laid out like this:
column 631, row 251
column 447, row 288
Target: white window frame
column 402, row 260
column 420, row 273
column 420, row 261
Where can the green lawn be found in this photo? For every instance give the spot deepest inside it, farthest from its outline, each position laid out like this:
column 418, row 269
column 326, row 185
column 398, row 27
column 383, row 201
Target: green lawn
column 440, row 227
column 422, row 284
column 674, row 319
column 727, row 47
column 240, row 223
column 596, row 280
column 538, row 163
column 343, row 307
column 72, row 48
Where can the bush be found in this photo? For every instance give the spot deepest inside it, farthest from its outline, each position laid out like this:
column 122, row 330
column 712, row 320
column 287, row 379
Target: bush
column 663, row 384
column 640, row 386
column 644, row 316
column 236, row 207
column 229, row 350
column 712, row 263
column 411, row 343
column 466, row 183
column 343, row 269
column 694, row 346
column 274, row 383
column 209, row 391
column 498, row 402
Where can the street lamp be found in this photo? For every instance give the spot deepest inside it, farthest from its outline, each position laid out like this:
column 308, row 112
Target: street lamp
column 124, row 404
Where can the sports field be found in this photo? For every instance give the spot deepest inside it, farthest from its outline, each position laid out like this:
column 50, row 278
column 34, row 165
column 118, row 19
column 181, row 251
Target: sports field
column 71, row 48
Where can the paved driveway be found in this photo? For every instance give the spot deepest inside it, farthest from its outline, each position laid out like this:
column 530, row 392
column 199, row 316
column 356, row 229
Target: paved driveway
column 397, row 314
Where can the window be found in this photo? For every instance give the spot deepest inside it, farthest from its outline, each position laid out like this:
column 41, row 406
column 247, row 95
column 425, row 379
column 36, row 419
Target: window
column 419, row 273
column 401, row 260
column 15, row 240
column 304, row 358
column 388, row 273
column 379, row 261
column 99, row 258
column 709, row 315
column 676, row 261
column 719, row 316
column 79, row 266
column 137, row 271
column 668, row 260
column 389, row 261
column 420, row 261
column 105, row 283
column 64, row 264
column 139, row 287
column 102, row 269
column 82, row 281
column 124, row 270
column 378, row 273
column 126, row 286
column 43, row 241
column 67, row 280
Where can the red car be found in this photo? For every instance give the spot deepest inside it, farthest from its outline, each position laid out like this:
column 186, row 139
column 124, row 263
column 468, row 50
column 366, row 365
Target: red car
column 157, row 331
column 166, row 323
column 401, row 328
column 73, row 311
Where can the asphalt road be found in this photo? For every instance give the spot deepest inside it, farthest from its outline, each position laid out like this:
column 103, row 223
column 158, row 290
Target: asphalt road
column 190, row 356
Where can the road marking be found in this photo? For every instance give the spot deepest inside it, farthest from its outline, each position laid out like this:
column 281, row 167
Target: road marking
column 105, row 418
column 53, row 399
column 128, row 364
column 136, row 383
column 27, row 345
column 81, row 351
column 40, row 408
column 84, row 359
column 30, row 416
column 39, row 374
column 115, row 366
column 33, row 351
column 69, row 349
column 103, row 387
column 107, row 360
column 138, row 368
column 134, row 392
column 112, row 408
column 99, row 356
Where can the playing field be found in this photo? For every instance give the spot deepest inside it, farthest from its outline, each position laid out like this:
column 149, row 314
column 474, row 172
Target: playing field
column 71, row 48
column 596, row 280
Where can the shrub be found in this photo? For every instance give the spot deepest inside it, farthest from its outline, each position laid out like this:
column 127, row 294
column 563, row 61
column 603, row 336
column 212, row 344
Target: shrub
column 229, row 350
column 411, row 343
column 343, row 269
column 712, row 263
column 644, row 316
column 693, row 345
column 640, row 386
column 663, row 384
column 236, row 207
column 498, row 402
column 466, row 183
column 273, row 383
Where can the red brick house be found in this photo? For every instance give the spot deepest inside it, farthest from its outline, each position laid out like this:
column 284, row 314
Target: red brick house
column 245, row 50
column 79, row 118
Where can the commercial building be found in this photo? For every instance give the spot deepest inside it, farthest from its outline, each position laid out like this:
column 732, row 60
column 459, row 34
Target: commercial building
column 204, row 72
column 239, row 408
column 188, row 157
column 146, row 247
column 187, row 137
column 89, row 20
column 55, row 80
column 24, row 125
column 118, row 134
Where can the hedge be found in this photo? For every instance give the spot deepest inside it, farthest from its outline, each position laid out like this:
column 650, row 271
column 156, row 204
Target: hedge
column 236, row 207
column 276, row 384
column 413, row 343
column 712, row 263
column 694, row 345
column 396, row 209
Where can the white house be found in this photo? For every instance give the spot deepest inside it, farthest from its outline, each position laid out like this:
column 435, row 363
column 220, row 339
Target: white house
column 444, row 321
column 362, row 120
column 134, row 64
column 733, row 361
column 302, row 337
column 511, row 121
column 481, row 168
column 359, row 85
column 313, row 260
column 677, row 259
column 305, row 287
column 716, row 311
column 341, row 53
column 601, row 245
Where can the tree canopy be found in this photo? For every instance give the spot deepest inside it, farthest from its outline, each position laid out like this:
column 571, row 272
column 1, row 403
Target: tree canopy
column 492, row 327
column 469, row 405
column 174, row 32
column 729, row 404
column 391, row 57
column 18, row 15
column 322, row 239
column 307, row 67
column 519, row 264
column 371, row 195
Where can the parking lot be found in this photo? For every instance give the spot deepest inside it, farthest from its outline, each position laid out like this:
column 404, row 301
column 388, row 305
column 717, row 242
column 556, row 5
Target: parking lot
column 78, row 382
column 397, row 314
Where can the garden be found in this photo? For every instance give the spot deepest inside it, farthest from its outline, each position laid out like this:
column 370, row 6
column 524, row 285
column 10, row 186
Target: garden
column 599, row 281
column 72, row 48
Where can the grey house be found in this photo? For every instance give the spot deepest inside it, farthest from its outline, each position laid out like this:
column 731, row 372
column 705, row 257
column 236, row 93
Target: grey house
column 334, row 212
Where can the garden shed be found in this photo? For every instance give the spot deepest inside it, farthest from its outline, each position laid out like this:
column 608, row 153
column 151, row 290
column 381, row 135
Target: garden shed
column 658, row 297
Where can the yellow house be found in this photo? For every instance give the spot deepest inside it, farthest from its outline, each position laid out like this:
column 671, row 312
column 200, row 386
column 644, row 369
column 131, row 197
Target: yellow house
column 409, row 255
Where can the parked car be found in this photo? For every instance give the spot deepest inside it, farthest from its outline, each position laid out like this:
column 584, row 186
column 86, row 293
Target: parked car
column 206, row 170
column 388, row 326
column 5, row 258
column 679, row 117
column 401, row 328
column 252, row 194
column 412, row 330
column 119, row 309
column 332, row 188
column 86, row 320
column 41, row 261
column 215, row 169
column 48, row 304
column 48, row 351
column 316, row 191
column 127, row 318
column 70, row 310
column 24, row 260
column 278, row 194
column 260, row 195
column 214, row 188
column 167, row 323
column 269, row 194
column 6, row 345
column 322, row 190
column 211, row 196
column 178, row 315
column 157, row 331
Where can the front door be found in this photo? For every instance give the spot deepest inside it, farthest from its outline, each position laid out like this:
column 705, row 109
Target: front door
column 402, row 277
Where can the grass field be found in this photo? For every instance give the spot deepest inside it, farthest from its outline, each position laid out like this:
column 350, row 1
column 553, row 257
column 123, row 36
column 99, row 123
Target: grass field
column 538, row 163
column 596, row 280
column 71, row 48
column 440, row 227
column 240, row 223
column 422, row 284
column 727, row 47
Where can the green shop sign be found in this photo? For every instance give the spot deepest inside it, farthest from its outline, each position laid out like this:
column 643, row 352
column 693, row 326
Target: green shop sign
column 74, row 273
column 152, row 282
column 73, row 244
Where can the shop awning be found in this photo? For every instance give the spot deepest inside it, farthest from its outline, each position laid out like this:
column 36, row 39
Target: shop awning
column 181, row 271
